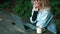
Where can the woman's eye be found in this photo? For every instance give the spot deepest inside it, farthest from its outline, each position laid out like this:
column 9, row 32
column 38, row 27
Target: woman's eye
column 35, row 0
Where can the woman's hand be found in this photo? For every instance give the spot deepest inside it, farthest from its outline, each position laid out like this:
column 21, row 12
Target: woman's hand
column 36, row 5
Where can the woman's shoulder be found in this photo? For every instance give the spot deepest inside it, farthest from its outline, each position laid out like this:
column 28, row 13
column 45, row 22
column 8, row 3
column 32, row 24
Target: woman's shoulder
column 46, row 10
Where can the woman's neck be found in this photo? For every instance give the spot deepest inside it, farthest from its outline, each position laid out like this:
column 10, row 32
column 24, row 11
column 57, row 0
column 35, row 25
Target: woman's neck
column 42, row 9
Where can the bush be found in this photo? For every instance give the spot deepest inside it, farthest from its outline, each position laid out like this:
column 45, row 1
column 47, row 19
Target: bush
column 23, row 7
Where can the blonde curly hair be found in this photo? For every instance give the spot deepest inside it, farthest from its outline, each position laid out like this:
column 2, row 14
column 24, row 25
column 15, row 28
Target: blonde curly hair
column 44, row 3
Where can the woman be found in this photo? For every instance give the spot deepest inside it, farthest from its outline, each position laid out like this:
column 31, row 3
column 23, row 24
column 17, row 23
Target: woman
column 44, row 18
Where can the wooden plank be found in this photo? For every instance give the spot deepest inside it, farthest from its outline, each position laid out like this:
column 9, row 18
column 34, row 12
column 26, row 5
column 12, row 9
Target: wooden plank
column 3, row 30
column 32, row 27
column 6, row 25
column 18, row 21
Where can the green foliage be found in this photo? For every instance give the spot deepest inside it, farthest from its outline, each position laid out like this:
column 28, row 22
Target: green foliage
column 55, row 4
column 4, row 5
column 58, row 23
column 23, row 7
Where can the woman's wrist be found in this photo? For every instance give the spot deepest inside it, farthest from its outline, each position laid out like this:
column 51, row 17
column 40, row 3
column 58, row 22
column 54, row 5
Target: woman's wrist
column 35, row 9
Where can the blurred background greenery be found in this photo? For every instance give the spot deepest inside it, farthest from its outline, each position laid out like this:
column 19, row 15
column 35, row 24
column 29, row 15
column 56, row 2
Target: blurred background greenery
column 23, row 8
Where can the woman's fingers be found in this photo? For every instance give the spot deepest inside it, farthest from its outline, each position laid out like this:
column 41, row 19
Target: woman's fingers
column 36, row 5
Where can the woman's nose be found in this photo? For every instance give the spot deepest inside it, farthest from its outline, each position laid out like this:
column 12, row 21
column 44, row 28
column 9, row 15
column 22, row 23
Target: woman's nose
column 35, row 1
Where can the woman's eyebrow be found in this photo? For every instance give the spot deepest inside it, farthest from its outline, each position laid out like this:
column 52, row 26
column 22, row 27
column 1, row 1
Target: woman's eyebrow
column 35, row 0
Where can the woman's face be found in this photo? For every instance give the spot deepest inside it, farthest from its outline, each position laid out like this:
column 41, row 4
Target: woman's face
column 40, row 2
column 37, row 3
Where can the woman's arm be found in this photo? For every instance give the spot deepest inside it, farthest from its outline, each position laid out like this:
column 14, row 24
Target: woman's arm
column 34, row 12
column 34, row 15
column 45, row 19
